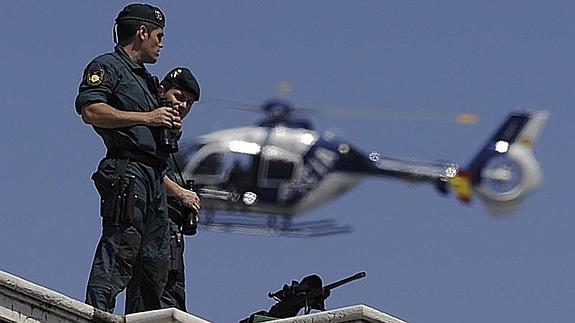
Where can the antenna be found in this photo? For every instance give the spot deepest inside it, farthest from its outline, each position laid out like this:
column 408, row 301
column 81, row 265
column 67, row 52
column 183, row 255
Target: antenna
column 284, row 89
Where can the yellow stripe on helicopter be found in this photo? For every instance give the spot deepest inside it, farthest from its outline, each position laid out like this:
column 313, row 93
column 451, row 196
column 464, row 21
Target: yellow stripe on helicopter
column 462, row 187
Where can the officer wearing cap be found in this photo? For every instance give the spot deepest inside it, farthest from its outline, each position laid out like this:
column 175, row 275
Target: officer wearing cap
column 120, row 99
column 181, row 88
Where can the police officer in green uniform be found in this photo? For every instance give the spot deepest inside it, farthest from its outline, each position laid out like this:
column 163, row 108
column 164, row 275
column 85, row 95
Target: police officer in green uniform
column 181, row 89
column 120, row 99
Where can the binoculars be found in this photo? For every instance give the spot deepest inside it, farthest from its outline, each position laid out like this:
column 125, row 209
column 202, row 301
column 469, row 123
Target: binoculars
column 182, row 215
column 190, row 223
column 168, row 137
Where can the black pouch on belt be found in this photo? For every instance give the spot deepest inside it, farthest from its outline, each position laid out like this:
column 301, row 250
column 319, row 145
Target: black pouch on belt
column 107, row 186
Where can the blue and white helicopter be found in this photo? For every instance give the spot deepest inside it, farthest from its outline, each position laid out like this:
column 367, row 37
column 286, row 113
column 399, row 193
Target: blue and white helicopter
column 262, row 177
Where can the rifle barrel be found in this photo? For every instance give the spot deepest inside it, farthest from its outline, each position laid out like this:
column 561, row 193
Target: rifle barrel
column 345, row 281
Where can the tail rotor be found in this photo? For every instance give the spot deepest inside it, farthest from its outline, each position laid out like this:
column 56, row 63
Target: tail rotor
column 505, row 169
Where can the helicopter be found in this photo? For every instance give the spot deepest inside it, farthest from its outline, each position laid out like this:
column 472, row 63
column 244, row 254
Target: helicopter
column 264, row 176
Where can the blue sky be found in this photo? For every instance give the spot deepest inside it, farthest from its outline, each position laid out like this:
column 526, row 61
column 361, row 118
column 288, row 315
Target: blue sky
column 427, row 258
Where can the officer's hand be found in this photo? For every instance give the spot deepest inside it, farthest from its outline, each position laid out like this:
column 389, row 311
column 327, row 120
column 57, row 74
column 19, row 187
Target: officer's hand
column 191, row 200
column 163, row 117
column 177, row 122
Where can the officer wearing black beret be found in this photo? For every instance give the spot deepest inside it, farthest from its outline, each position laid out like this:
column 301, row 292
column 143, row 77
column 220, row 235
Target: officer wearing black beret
column 120, row 99
column 181, row 88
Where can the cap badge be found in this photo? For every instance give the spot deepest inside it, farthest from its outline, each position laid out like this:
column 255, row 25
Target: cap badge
column 176, row 73
column 159, row 16
column 95, row 77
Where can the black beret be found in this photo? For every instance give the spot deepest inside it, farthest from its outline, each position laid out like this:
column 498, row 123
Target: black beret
column 183, row 79
column 142, row 12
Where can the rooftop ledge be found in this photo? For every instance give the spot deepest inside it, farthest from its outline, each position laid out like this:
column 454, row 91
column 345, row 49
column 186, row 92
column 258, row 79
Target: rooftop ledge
column 23, row 301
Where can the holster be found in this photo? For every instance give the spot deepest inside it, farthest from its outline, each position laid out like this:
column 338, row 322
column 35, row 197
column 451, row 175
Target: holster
column 117, row 198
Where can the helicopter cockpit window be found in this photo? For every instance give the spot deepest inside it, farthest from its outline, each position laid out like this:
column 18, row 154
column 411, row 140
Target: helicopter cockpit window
column 279, row 169
column 211, row 165
column 239, row 169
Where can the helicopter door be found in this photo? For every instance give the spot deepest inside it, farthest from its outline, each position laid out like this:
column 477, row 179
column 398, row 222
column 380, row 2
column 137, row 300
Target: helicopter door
column 278, row 167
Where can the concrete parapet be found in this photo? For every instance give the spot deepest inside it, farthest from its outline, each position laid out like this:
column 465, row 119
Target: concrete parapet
column 23, row 301
column 168, row 315
column 351, row 314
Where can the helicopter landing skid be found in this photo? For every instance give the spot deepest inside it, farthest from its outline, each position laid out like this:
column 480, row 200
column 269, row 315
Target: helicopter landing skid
column 274, row 226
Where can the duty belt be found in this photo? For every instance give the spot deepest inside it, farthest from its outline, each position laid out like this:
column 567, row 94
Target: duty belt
column 139, row 157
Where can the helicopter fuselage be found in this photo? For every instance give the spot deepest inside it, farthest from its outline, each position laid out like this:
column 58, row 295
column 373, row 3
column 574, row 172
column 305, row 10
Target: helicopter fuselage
column 287, row 170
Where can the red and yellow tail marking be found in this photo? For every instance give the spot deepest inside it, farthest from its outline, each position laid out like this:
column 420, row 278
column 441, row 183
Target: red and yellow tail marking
column 462, row 187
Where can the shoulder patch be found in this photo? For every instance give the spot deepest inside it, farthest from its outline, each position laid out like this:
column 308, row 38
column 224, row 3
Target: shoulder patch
column 95, row 77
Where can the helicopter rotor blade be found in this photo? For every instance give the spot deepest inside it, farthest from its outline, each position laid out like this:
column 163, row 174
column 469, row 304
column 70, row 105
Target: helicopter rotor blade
column 464, row 118
column 231, row 104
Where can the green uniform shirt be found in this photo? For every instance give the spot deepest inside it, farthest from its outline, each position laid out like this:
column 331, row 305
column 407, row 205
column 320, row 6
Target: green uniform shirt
column 115, row 79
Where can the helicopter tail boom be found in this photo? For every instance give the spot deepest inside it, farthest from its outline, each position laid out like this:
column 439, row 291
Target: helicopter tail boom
column 414, row 171
column 505, row 169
